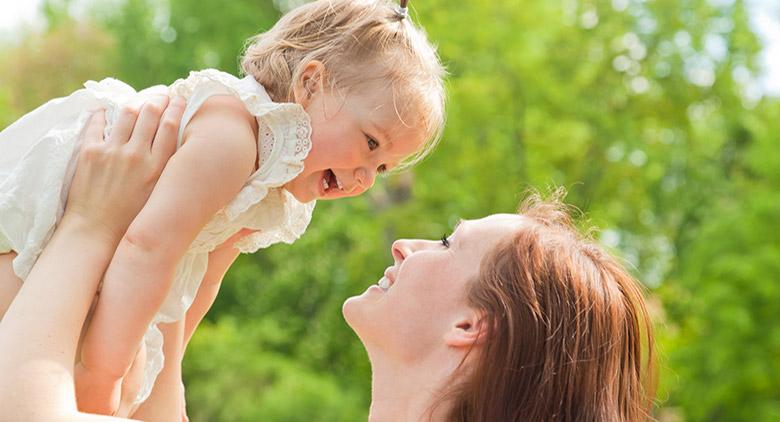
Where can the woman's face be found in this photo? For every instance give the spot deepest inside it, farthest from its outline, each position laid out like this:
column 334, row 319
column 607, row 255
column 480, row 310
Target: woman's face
column 426, row 297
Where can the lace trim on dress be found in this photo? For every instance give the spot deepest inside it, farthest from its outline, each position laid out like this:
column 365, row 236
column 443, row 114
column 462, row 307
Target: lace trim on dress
column 291, row 138
column 297, row 217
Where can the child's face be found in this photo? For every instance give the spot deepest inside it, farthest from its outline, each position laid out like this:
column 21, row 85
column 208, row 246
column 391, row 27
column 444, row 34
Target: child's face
column 353, row 139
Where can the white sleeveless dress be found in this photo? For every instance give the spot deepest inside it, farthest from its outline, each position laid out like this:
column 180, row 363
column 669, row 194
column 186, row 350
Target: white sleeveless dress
column 37, row 162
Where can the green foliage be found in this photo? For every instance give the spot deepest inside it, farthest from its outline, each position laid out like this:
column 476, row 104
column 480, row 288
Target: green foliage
column 635, row 106
column 231, row 379
column 725, row 300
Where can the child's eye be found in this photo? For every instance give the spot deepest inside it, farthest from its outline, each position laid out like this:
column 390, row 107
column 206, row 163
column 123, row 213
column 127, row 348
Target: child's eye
column 372, row 144
column 381, row 169
column 445, row 241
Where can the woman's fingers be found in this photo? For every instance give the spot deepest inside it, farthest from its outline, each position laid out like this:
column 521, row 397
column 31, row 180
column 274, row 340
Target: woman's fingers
column 146, row 125
column 164, row 143
column 114, row 179
column 123, row 125
column 93, row 134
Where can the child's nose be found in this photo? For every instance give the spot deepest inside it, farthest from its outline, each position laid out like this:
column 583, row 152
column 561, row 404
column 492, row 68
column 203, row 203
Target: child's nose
column 365, row 178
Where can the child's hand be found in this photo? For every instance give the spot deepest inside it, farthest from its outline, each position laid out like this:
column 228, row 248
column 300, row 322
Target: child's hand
column 114, row 177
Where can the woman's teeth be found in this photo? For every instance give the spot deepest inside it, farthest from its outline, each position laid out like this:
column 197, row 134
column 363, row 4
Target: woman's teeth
column 384, row 283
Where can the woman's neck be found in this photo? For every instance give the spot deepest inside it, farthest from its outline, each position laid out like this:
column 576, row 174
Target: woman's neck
column 410, row 392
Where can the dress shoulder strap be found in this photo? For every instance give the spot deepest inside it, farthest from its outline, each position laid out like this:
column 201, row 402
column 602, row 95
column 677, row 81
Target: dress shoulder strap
column 201, row 85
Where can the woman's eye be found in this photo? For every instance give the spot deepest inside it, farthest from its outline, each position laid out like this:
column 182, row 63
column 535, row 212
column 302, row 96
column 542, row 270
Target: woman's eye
column 445, row 242
column 381, row 169
column 372, row 144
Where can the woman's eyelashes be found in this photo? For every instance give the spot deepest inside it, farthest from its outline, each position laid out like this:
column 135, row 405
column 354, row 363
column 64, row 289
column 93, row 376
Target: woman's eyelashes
column 445, row 241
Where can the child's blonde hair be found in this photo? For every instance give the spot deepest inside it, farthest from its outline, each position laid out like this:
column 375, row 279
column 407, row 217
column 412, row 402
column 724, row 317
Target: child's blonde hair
column 358, row 42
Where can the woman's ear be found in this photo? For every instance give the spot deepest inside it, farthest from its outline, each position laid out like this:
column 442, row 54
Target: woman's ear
column 468, row 330
column 309, row 83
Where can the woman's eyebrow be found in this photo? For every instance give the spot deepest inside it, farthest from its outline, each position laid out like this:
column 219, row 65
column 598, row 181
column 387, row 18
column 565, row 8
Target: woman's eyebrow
column 452, row 237
column 460, row 220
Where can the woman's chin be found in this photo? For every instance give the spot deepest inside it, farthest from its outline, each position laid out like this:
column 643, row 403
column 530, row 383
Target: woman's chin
column 351, row 310
column 357, row 311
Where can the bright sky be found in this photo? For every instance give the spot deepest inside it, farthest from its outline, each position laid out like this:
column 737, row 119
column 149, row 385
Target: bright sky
column 13, row 12
column 765, row 18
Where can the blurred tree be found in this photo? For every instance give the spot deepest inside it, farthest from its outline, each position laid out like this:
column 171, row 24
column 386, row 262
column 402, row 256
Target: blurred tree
column 724, row 347
column 50, row 65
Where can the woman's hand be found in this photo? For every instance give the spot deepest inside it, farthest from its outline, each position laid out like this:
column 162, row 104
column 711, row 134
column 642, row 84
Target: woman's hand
column 114, row 177
column 112, row 182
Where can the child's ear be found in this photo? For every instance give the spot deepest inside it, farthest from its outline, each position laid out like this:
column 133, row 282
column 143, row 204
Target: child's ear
column 309, row 82
column 467, row 330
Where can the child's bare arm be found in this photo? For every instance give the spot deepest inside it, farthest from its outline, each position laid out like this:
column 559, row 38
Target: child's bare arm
column 220, row 261
column 202, row 177
column 167, row 386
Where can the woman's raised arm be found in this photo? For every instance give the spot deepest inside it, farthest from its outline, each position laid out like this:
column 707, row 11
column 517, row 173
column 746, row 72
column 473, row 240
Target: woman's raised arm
column 40, row 331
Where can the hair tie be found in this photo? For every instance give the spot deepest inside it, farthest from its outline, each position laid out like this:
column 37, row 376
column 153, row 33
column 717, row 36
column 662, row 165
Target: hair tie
column 402, row 11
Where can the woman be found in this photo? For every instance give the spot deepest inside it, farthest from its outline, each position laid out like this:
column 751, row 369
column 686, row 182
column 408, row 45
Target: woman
column 512, row 318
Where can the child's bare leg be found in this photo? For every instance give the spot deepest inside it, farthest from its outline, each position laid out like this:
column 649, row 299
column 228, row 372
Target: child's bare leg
column 166, row 403
column 132, row 382
column 9, row 282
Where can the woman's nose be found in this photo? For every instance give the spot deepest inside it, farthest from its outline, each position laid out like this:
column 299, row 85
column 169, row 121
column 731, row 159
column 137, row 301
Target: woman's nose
column 401, row 249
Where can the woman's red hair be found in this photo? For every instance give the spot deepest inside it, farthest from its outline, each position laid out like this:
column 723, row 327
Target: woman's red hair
column 568, row 337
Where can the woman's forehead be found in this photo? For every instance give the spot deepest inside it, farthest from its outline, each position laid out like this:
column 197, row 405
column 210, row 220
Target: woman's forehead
column 493, row 222
column 484, row 233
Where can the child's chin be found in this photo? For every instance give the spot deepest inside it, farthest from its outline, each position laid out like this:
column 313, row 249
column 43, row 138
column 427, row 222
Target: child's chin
column 301, row 196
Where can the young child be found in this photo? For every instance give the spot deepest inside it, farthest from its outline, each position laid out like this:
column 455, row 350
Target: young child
column 336, row 92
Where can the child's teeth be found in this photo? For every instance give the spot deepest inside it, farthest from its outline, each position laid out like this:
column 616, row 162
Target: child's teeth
column 338, row 182
column 384, row 283
column 325, row 183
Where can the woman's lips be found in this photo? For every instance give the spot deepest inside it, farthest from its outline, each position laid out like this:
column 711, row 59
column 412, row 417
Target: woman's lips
column 387, row 280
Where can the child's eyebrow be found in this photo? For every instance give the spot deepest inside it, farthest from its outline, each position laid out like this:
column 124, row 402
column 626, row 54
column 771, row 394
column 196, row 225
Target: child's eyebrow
column 383, row 138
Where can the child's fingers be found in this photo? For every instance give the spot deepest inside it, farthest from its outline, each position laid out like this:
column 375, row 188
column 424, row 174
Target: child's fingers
column 95, row 126
column 164, row 143
column 146, row 125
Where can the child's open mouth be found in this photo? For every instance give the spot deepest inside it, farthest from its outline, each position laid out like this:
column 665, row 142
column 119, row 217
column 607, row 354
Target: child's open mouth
column 330, row 182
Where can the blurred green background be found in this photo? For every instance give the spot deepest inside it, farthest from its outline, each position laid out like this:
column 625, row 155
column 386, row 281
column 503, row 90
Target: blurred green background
column 646, row 110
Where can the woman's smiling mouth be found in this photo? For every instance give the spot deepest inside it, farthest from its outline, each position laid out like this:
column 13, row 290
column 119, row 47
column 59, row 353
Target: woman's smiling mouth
column 387, row 280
